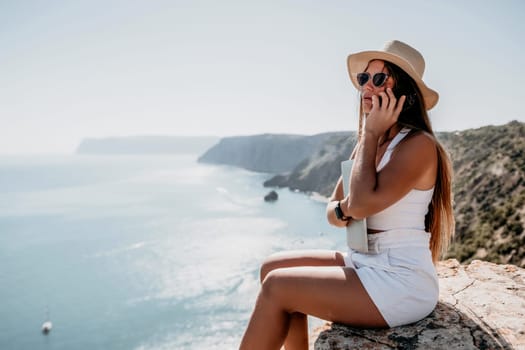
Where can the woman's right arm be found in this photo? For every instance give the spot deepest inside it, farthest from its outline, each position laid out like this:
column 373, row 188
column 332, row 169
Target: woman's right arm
column 336, row 196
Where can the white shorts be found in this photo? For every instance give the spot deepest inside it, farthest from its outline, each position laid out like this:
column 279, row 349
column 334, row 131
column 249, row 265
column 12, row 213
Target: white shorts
column 398, row 274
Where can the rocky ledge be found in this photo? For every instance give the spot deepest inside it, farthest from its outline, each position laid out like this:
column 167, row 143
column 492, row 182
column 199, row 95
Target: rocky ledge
column 482, row 306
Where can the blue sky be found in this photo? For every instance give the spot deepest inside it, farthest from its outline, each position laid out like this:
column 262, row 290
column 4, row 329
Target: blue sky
column 75, row 69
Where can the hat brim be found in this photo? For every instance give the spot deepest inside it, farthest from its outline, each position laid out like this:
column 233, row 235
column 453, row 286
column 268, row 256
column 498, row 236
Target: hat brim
column 358, row 62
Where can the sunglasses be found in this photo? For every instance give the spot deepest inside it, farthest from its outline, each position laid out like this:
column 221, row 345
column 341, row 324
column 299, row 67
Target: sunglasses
column 378, row 79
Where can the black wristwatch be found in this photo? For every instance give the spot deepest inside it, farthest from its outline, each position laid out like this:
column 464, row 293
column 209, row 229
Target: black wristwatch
column 339, row 213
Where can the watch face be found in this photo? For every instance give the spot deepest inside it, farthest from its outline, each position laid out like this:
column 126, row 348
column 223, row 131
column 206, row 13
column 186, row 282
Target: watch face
column 338, row 212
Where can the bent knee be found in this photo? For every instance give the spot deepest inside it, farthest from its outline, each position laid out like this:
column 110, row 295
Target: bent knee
column 271, row 263
column 279, row 289
column 272, row 284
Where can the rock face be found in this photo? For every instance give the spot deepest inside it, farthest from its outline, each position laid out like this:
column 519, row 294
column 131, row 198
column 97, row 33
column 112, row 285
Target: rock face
column 482, row 306
column 269, row 153
column 320, row 171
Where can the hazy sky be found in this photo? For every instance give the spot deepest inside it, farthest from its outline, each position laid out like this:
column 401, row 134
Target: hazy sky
column 90, row 68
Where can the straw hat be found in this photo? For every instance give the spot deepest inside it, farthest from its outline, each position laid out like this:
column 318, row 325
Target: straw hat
column 402, row 55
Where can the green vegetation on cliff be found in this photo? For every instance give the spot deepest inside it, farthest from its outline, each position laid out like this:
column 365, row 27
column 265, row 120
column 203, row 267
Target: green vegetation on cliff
column 489, row 193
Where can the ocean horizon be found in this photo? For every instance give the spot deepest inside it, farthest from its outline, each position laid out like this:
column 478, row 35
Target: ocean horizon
column 140, row 251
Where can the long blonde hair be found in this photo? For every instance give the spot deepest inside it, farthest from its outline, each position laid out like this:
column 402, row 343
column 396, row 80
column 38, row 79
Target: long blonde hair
column 439, row 220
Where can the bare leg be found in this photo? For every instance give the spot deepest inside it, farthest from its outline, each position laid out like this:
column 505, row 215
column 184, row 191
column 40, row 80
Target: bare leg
column 297, row 336
column 328, row 292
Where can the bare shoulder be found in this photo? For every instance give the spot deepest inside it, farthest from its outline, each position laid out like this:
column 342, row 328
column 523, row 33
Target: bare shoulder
column 419, row 146
column 420, row 140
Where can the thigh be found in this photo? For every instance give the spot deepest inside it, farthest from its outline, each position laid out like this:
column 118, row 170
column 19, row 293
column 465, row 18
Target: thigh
column 296, row 258
column 327, row 292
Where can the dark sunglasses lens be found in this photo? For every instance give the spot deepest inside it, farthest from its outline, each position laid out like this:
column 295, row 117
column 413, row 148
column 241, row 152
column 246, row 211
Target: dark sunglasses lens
column 379, row 79
column 362, row 78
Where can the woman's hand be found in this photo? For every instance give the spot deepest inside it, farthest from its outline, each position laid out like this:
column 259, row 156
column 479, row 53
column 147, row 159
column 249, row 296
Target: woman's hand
column 383, row 114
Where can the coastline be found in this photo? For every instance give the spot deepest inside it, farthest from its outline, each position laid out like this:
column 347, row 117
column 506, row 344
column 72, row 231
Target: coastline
column 315, row 196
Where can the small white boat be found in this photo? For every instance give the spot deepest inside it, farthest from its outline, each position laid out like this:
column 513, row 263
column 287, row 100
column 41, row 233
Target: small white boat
column 46, row 327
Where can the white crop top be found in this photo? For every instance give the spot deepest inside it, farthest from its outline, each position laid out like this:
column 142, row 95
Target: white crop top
column 408, row 212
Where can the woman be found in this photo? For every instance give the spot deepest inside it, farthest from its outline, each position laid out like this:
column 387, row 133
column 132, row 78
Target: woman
column 400, row 182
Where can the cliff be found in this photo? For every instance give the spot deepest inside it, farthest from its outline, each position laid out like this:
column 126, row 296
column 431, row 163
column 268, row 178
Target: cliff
column 482, row 306
column 321, row 169
column 489, row 193
column 267, row 153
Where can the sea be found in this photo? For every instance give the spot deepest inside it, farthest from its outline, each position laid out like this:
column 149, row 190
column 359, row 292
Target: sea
column 140, row 251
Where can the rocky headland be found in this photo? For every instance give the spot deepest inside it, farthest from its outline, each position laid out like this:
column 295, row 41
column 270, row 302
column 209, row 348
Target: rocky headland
column 267, row 153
